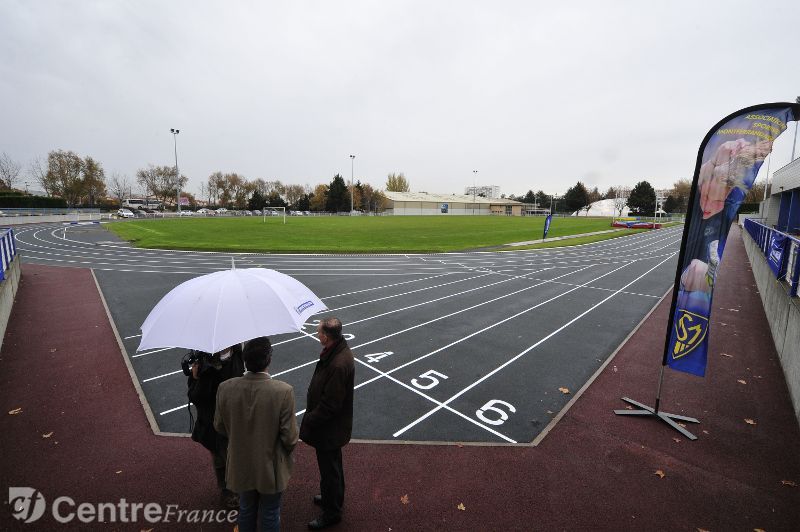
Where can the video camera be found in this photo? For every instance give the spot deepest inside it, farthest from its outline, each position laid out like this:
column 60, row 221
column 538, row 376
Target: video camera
column 190, row 358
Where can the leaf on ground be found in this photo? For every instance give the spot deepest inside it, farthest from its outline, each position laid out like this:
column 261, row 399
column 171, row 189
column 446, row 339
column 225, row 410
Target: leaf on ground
column 682, row 425
column 628, row 407
column 733, row 309
column 54, row 350
column 563, row 390
column 461, row 506
column 706, row 432
column 404, row 499
column 235, row 529
column 741, row 381
column 550, row 412
column 676, row 440
column 118, row 472
column 749, row 421
column 47, row 435
column 759, row 530
column 702, row 530
column 660, row 473
column 726, row 355
column 789, row 483
column 15, row 411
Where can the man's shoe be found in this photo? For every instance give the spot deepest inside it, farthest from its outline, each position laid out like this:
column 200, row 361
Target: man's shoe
column 317, row 500
column 323, row 522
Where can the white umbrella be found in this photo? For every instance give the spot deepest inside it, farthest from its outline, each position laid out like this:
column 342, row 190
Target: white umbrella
column 215, row 311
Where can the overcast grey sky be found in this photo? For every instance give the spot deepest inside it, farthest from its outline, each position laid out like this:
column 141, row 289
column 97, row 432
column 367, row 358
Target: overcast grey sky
column 533, row 95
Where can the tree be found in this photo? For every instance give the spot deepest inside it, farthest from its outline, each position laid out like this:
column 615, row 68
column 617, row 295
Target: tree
column 594, row 195
column 94, row 180
column 756, row 194
column 642, row 200
column 119, row 187
column 576, row 197
column 611, row 193
column 161, row 182
column 397, row 183
column 304, row 203
column 529, row 197
column 542, row 199
column 293, row 193
column 275, row 200
column 319, row 198
column 371, row 200
column 338, row 197
column 256, row 201
column 670, row 204
column 10, row 171
column 621, row 199
column 65, row 175
column 680, row 192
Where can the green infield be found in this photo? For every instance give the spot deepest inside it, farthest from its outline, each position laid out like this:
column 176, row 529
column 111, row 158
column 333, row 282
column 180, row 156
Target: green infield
column 344, row 234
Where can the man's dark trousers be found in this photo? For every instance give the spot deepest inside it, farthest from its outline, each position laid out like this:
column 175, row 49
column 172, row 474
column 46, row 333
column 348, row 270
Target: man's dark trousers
column 331, row 481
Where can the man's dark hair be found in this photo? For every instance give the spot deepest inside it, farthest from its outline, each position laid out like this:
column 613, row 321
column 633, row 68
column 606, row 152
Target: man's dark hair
column 332, row 328
column 257, row 354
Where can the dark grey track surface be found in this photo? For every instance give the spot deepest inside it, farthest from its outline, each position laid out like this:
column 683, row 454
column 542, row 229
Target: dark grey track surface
column 497, row 334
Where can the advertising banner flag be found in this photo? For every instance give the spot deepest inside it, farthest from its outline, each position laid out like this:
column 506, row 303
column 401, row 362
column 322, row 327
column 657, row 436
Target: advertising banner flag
column 775, row 258
column 727, row 165
column 547, row 225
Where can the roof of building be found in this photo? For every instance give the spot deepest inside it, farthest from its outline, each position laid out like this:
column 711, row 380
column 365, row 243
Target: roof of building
column 445, row 198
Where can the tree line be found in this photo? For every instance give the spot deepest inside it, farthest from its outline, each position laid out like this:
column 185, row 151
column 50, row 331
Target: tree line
column 82, row 181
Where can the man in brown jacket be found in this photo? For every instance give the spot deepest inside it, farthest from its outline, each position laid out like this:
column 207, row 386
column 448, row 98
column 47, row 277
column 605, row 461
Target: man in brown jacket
column 328, row 420
column 257, row 415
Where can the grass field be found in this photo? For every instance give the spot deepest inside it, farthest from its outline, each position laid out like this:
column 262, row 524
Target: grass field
column 342, row 234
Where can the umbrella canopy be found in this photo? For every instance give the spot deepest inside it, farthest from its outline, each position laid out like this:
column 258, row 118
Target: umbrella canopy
column 215, row 311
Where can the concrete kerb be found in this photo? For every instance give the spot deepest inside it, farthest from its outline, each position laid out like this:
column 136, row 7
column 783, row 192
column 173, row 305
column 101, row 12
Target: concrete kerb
column 567, row 237
column 139, row 392
column 8, row 291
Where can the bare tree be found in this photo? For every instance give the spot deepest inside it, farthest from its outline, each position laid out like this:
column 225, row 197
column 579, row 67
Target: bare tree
column 94, row 180
column 119, row 186
column 10, row 171
column 621, row 199
column 38, row 171
column 160, row 181
column 293, row 193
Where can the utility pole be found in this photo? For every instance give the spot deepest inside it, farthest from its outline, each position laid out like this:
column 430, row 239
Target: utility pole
column 474, row 187
column 177, row 173
column 352, row 159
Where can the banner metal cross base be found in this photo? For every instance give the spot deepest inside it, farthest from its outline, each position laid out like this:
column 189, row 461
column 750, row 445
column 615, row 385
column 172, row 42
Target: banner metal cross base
column 666, row 417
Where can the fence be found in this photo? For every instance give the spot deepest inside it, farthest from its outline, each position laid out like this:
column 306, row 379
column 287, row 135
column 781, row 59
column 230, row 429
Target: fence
column 782, row 252
column 7, row 250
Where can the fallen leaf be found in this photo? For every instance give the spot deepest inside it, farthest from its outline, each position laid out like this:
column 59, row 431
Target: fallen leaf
column 404, row 499
column 15, row 411
column 759, row 530
column 676, row 440
column 565, row 391
column 705, row 432
column 659, row 473
column 47, row 435
column 628, row 407
column 235, row 529
column 682, row 425
column 749, row 421
column 702, row 530
column 118, row 472
column 461, row 506
column 726, row 355
column 788, row 483
column 741, row 381
column 550, row 412
column 53, row 350
column 734, row 309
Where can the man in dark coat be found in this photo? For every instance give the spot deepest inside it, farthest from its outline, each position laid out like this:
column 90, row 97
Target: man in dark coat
column 207, row 375
column 328, row 421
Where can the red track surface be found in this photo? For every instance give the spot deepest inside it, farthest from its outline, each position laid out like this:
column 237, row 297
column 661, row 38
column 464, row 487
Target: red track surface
column 61, row 364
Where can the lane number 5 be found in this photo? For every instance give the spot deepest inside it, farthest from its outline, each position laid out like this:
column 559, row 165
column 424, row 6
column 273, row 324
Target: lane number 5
column 429, row 376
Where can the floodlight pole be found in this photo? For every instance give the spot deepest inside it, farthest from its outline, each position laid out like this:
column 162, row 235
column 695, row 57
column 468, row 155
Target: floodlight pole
column 352, row 159
column 474, row 187
column 794, row 144
column 177, row 173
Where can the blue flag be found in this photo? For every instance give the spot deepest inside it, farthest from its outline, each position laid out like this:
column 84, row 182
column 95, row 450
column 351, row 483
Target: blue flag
column 547, row 225
column 775, row 258
column 727, row 164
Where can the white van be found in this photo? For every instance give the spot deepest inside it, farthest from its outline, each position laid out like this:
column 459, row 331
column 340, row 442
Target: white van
column 139, row 203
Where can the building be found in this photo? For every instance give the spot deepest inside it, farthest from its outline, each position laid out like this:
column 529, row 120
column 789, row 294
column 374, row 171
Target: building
column 781, row 210
column 487, row 191
column 423, row 203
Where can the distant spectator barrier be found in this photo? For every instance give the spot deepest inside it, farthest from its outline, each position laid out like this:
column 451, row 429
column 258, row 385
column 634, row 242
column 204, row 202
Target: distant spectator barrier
column 8, row 249
column 782, row 252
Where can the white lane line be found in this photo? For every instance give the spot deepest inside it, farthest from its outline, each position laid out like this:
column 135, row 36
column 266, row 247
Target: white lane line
column 387, row 286
column 439, row 404
column 151, row 352
column 174, row 409
column 463, row 339
column 164, row 375
column 523, row 353
column 134, row 336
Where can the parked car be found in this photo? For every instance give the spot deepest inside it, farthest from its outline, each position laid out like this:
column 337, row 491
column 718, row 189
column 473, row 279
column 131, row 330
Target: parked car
column 205, row 211
column 222, row 210
column 257, row 212
column 125, row 213
column 185, row 213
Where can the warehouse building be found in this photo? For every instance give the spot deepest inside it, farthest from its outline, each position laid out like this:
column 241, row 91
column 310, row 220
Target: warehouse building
column 423, row 203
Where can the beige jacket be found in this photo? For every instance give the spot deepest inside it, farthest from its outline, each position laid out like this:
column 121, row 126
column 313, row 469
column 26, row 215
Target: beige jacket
column 257, row 415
